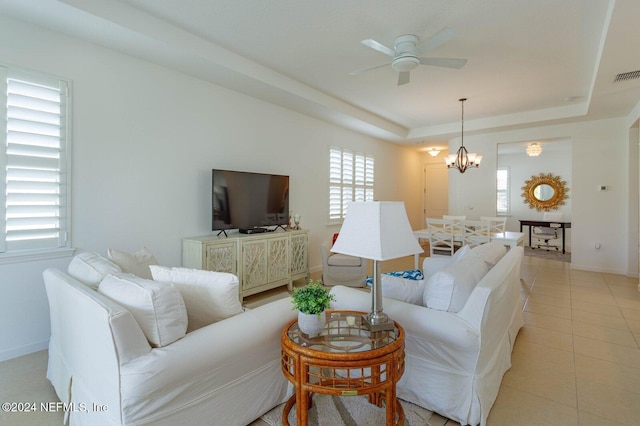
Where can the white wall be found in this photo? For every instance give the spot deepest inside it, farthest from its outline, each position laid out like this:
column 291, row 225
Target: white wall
column 145, row 139
column 522, row 168
column 600, row 152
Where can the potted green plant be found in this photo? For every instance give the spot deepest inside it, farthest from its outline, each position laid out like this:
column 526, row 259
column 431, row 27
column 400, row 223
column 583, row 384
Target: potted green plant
column 311, row 302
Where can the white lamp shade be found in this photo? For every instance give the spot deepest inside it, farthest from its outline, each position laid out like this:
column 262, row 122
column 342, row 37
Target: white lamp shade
column 376, row 230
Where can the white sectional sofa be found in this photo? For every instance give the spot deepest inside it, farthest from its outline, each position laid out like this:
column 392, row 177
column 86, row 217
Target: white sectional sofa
column 455, row 361
column 103, row 363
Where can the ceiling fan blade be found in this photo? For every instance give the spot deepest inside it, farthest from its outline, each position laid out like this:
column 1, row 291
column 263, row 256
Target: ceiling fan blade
column 444, row 62
column 379, row 47
column 403, row 77
column 438, row 39
column 358, row 72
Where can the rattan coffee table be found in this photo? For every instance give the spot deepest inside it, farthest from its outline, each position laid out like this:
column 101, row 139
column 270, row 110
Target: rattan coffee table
column 343, row 360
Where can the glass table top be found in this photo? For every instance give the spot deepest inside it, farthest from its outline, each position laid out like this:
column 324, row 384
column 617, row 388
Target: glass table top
column 344, row 333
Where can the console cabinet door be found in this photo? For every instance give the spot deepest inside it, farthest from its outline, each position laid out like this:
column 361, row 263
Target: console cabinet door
column 299, row 255
column 221, row 257
column 278, row 259
column 254, row 263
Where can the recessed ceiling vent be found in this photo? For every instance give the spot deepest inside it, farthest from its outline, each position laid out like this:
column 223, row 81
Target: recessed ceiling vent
column 626, row 76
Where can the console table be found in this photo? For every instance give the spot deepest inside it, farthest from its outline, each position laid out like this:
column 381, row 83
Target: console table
column 260, row 261
column 530, row 223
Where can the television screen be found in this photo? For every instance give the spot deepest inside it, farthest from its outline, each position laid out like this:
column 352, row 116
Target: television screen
column 246, row 200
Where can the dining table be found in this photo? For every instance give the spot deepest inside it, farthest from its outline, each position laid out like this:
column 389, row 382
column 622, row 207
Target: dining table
column 508, row 238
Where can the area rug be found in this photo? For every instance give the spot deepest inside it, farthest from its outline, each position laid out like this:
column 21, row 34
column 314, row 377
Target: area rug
column 550, row 255
column 328, row 410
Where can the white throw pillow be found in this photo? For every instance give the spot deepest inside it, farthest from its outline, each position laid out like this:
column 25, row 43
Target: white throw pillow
column 157, row 307
column 91, row 268
column 404, row 289
column 490, row 252
column 209, row 296
column 431, row 265
column 449, row 289
column 136, row 263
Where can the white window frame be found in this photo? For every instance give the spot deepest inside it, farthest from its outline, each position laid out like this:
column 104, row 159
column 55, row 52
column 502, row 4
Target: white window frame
column 351, row 178
column 506, row 192
column 35, row 165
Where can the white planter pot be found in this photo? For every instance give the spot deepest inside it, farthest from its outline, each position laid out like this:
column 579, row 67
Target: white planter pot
column 311, row 324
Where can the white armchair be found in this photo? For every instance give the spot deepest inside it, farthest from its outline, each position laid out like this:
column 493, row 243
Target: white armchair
column 341, row 269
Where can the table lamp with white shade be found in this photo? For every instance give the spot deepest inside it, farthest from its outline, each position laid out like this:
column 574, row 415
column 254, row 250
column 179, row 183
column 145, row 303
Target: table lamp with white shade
column 376, row 230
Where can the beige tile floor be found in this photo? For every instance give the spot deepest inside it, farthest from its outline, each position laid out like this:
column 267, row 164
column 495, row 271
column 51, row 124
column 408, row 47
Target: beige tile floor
column 575, row 362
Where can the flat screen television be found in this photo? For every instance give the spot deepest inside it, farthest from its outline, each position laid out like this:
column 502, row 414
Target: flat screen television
column 248, row 201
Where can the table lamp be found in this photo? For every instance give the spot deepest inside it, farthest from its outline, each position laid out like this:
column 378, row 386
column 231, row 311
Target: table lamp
column 376, row 230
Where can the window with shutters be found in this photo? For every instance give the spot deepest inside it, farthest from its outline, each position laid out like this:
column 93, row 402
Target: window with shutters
column 503, row 207
column 351, row 178
column 34, row 162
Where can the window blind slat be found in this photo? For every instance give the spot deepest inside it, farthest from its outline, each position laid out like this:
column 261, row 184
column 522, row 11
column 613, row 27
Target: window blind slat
column 22, row 138
column 30, row 211
column 38, row 116
column 22, row 199
column 32, row 127
column 35, row 242
column 16, row 174
column 32, row 90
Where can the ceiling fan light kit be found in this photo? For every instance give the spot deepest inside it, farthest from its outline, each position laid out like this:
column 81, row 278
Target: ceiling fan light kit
column 405, row 63
column 406, row 54
column 463, row 160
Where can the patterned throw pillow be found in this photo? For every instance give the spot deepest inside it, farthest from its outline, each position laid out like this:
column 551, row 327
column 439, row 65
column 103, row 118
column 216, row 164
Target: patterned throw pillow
column 410, row 274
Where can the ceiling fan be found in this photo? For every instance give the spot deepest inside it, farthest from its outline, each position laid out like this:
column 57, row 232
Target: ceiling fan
column 406, row 53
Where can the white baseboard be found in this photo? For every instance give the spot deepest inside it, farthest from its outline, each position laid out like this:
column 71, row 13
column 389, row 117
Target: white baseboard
column 602, row 270
column 24, row 350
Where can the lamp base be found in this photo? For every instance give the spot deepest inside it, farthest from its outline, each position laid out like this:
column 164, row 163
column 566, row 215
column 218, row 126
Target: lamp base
column 377, row 324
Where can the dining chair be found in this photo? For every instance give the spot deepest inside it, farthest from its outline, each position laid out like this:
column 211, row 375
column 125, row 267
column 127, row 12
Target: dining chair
column 441, row 241
column 458, row 229
column 476, row 232
column 497, row 225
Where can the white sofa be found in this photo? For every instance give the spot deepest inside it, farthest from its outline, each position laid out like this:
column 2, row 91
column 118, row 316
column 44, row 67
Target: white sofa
column 100, row 360
column 455, row 361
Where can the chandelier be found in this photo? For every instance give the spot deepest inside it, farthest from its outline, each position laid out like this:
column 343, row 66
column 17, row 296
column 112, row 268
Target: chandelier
column 534, row 149
column 462, row 160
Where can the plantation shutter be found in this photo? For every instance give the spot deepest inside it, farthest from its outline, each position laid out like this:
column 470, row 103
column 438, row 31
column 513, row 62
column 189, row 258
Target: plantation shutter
column 351, row 178
column 503, row 206
column 35, row 210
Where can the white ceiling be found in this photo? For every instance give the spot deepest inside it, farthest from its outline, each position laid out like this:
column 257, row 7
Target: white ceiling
column 529, row 62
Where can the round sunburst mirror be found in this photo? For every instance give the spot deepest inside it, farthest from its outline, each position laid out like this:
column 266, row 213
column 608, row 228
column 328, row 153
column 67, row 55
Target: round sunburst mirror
column 545, row 192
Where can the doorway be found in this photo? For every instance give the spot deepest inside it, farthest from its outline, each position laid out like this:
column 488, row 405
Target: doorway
column 436, row 191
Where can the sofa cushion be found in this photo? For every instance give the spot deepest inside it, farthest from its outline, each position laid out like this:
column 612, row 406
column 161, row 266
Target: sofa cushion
column 91, row 268
column 136, row 263
column 431, row 265
column 209, row 296
column 338, row 259
column 490, row 252
column 449, row 289
column 157, row 307
column 407, row 290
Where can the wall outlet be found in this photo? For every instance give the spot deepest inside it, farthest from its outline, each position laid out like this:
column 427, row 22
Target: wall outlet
column 597, row 246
